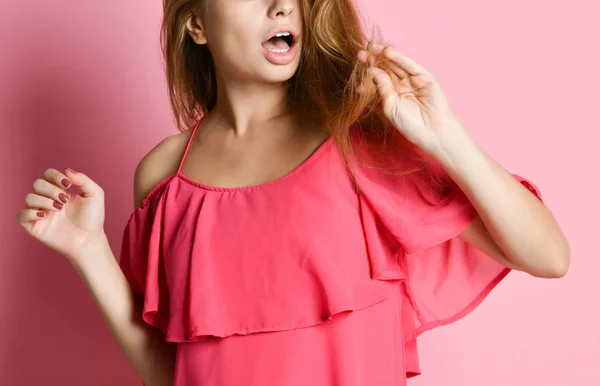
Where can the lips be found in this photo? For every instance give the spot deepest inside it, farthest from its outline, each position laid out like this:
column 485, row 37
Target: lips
column 281, row 51
column 290, row 29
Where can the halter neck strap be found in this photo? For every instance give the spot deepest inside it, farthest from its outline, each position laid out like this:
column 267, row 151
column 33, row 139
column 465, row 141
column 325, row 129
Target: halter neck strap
column 187, row 148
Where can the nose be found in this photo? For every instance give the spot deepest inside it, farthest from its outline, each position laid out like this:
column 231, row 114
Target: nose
column 282, row 8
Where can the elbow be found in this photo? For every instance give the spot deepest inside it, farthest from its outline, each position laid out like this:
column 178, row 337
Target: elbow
column 558, row 260
column 562, row 259
column 559, row 270
column 561, row 267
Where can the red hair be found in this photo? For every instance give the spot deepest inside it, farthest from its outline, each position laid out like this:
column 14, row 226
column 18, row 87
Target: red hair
column 325, row 84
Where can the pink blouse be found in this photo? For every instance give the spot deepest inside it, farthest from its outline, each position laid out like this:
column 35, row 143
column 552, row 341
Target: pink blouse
column 303, row 280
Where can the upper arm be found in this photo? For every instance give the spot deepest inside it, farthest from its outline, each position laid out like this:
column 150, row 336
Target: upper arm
column 160, row 162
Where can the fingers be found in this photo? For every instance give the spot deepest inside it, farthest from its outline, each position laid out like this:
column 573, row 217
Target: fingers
column 364, row 56
column 380, row 78
column 45, row 188
column 28, row 215
column 383, row 82
column 404, row 65
column 57, row 178
column 83, row 182
column 49, row 194
column 399, row 71
column 36, row 201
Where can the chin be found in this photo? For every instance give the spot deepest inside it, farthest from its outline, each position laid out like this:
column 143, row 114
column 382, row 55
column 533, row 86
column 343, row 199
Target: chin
column 273, row 74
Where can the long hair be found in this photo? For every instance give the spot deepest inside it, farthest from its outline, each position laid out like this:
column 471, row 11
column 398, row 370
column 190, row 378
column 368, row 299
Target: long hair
column 325, row 84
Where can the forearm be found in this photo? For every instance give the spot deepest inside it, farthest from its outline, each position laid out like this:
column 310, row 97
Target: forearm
column 144, row 346
column 519, row 223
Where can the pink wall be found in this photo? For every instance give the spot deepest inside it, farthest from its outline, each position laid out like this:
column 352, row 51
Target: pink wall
column 81, row 86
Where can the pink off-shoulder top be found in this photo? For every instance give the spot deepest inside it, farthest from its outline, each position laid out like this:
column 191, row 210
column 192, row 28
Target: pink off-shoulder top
column 304, row 280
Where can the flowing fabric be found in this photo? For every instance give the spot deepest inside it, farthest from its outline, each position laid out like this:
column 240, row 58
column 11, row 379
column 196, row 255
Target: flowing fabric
column 304, row 280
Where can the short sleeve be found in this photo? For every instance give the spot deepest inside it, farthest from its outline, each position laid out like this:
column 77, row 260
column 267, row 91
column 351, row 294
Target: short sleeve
column 412, row 231
column 143, row 268
column 129, row 250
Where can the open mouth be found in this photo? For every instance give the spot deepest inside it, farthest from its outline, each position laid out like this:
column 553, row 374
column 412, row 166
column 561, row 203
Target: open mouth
column 280, row 42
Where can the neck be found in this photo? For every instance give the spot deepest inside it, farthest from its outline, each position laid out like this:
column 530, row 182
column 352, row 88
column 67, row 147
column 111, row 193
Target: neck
column 246, row 106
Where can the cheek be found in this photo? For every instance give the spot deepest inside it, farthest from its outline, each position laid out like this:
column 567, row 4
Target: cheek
column 233, row 46
column 235, row 53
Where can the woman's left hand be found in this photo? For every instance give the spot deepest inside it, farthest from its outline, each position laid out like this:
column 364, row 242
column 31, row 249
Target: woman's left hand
column 414, row 102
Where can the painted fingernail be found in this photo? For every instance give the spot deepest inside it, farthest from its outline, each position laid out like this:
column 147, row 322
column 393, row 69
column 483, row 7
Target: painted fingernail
column 63, row 197
column 41, row 214
column 65, row 182
column 58, row 205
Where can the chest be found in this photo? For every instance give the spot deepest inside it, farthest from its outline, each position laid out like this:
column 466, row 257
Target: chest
column 251, row 162
column 292, row 227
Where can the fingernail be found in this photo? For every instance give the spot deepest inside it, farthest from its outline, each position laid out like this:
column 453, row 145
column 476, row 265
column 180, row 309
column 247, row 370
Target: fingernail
column 58, row 205
column 71, row 170
column 65, row 182
column 63, row 197
column 41, row 214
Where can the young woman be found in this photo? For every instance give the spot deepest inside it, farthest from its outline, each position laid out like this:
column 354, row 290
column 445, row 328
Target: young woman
column 324, row 208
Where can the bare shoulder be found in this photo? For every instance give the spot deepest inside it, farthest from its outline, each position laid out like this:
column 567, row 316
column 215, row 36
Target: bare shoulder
column 159, row 163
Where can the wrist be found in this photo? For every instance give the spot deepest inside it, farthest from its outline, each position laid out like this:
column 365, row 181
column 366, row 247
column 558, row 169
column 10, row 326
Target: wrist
column 97, row 244
column 454, row 147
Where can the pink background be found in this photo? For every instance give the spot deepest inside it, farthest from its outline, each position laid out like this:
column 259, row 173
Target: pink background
column 82, row 86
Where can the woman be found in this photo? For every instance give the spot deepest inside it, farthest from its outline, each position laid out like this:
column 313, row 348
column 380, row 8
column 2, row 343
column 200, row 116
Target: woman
column 325, row 209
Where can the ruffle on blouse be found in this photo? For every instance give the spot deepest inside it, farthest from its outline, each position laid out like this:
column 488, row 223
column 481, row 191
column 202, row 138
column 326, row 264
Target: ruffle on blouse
column 215, row 264
column 233, row 262
column 412, row 233
column 445, row 277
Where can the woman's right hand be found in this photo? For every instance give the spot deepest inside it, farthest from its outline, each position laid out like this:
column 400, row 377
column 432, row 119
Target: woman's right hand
column 63, row 221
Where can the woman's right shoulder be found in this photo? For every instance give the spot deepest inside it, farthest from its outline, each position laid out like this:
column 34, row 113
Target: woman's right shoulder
column 159, row 163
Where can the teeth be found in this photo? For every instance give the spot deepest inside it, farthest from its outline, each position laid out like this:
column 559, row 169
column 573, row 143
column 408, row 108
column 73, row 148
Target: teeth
column 279, row 50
